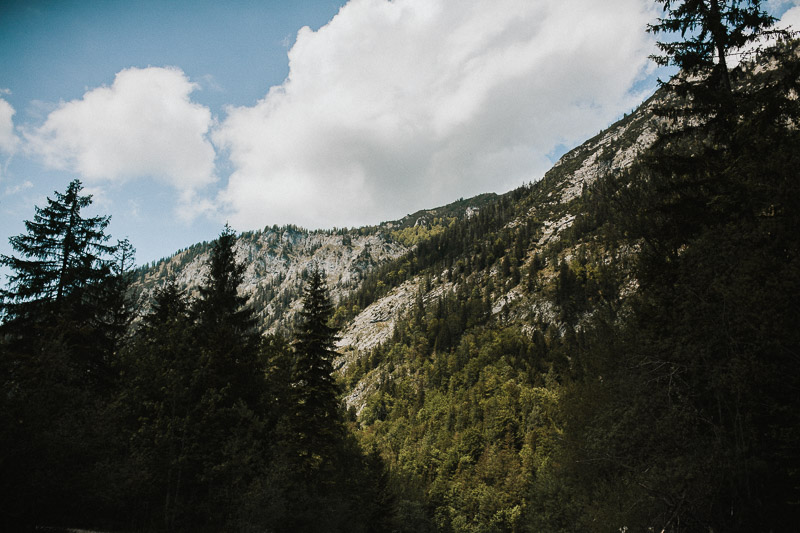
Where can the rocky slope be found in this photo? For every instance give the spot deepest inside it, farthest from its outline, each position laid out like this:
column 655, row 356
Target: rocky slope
column 277, row 258
column 553, row 204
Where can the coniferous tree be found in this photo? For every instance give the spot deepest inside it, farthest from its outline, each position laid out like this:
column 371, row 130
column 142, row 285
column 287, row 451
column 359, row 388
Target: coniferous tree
column 710, row 30
column 62, row 256
column 114, row 298
column 198, row 392
column 316, row 419
column 694, row 415
column 56, row 361
column 229, row 384
column 159, row 365
column 328, row 483
column 226, row 325
column 56, row 289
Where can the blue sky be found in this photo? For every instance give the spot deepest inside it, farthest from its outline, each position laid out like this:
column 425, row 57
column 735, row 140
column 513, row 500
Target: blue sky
column 53, row 51
column 179, row 116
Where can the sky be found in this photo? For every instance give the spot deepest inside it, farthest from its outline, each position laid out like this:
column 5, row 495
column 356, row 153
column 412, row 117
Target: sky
column 182, row 116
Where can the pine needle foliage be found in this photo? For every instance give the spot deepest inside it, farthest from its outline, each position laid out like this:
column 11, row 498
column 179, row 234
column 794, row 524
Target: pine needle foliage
column 61, row 255
column 316, row 418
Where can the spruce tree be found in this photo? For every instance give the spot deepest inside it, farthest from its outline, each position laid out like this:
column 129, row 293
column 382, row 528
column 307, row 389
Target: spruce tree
column 62, row 256
column 226, row 325
column 710, row 31
column 694, row 423
column 158, row 398
column 114, row 298
column 316, row 418
column 327, row 482
column 229, row 432
column 220, row 304
column 56, row 359
column 60, row 288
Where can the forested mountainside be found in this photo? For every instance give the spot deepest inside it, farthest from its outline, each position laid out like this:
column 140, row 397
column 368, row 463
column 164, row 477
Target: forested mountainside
column 612, row 348
column 277, row 259
column 604, row 349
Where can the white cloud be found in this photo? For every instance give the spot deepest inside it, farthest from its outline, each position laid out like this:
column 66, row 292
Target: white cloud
column 791, row 18
column 8, row 139
column 395, row 106
column 143, row 125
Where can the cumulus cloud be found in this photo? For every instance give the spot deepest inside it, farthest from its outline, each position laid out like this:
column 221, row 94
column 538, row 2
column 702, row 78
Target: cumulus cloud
column 8, row 138
column 791, row 18
column 395, row 106
column 143, row 125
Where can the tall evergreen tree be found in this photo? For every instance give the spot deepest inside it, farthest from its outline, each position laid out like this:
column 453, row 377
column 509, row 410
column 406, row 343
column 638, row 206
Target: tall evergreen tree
column 220, row 304
column 693, row 425
column 56, row 361
column 62, row 256
column 157, row 398
column 328, row 484
column 197, row 392
column 114, row 299
column 226, row 325
column 316, row 418
column 229, row 388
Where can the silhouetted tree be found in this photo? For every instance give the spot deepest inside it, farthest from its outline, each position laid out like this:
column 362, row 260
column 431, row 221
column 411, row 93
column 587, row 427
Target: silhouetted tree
column 710, row 30
column 316, row 419
column 55, row 358
column 63, row 261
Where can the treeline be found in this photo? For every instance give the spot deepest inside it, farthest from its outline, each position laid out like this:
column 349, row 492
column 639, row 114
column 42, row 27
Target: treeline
column 186, row 420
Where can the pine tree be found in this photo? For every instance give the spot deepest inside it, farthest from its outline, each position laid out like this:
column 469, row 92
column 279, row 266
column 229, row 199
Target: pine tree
column 57, row 292
column 316, row 419
column 229, row 431
column 696, row 412
column 226, row 325
column 57, row 360
column 327, row 482
column 158, row 397
column 220, row 304
column 62, row 256
column 710, row 31
column 198, row 394
column 114, row 299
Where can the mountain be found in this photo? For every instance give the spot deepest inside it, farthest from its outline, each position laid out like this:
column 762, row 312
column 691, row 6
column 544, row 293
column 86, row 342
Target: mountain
column 277, row 259
column 611, row 347
column 454, row 323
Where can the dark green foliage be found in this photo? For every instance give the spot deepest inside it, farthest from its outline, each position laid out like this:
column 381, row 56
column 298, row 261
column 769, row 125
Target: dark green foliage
column 315, row 419
column 318, row 478
column 159, row 369
column 226, row 328
column 62, row 312
column 710, row 30
column 685, row 417
column 62, row 278
column 196, row 390
column 63, row 256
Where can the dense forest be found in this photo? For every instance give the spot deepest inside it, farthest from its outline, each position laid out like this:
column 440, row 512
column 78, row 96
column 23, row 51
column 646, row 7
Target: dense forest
column 641, row 372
